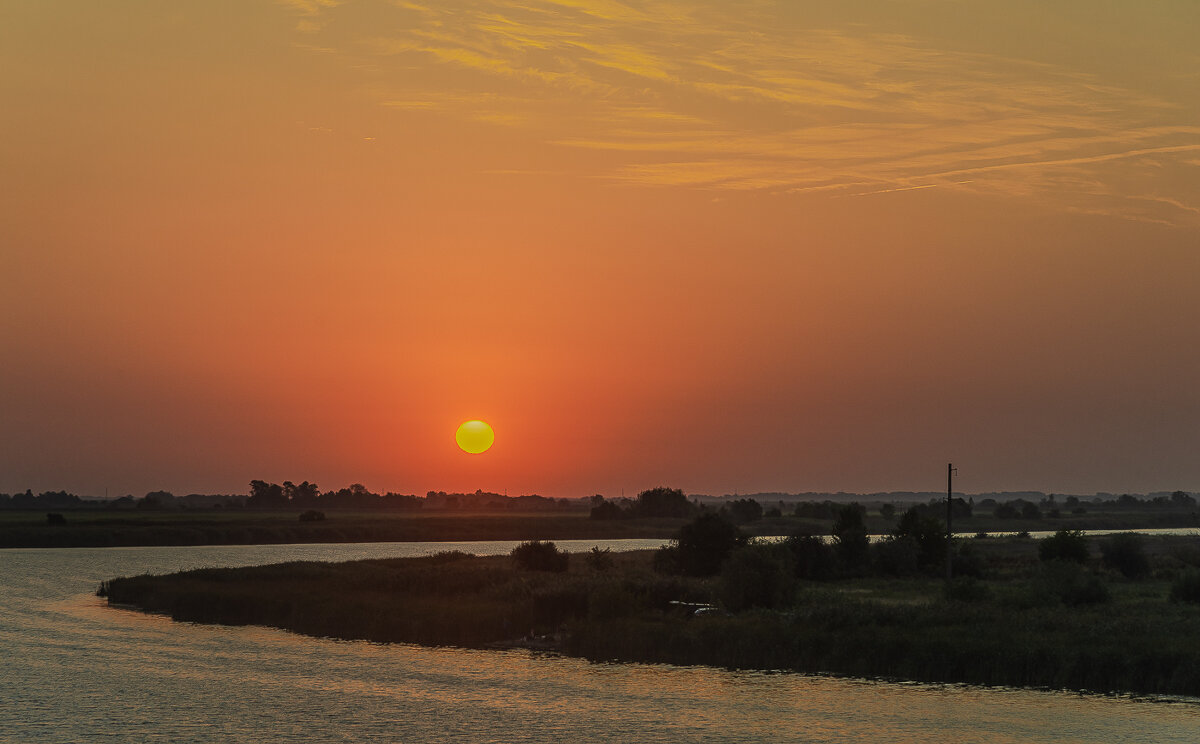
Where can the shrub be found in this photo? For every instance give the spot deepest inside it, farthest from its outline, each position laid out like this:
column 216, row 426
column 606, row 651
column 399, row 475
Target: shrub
column 607, row 510
column 1186, row 587
column 312, row 515
column 663, row 502
column 742, row 511
column 812, row 557
column 600, row 560
column 704, row 544
column 1126, row 553
column 54, row 518
column 896, row 556
column 1064, row 545
column 1007, row 511
column 756, row 576
column 850, row 536
column 536, row 555
column 929, row 534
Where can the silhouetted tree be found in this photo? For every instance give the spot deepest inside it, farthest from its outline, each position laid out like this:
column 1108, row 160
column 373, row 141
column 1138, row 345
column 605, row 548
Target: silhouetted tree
column 303, row 495
column 742, row 511
column 607, row 510
column 704, row 543
column 663, row 502
column 1182, row 499
column 850, row 536
column 265, row 495
column 812, row 557
column 928, row 533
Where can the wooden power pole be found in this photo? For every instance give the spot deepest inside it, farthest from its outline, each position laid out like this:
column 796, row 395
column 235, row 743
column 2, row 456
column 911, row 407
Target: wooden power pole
column 950, row 473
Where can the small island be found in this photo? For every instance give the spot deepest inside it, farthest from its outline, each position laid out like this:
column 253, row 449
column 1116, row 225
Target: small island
column 1112, row 614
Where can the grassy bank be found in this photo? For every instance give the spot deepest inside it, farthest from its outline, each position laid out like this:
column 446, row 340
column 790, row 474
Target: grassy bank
column 111, row 528
column 1026, row 624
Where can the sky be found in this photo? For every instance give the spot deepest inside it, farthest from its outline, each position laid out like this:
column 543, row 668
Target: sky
column 729, row 247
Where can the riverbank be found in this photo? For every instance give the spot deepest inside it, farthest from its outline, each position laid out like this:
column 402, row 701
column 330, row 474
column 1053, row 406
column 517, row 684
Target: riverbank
column 1024, row 624
column 111, row 528
column 91, row 529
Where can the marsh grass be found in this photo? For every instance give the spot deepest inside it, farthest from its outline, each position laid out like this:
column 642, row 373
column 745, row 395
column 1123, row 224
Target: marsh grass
column 1054, row 624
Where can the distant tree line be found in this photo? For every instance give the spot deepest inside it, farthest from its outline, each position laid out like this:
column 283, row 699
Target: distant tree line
column 671, row 502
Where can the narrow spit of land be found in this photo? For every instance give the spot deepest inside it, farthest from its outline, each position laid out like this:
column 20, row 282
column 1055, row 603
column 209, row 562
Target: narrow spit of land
column 1027, row 623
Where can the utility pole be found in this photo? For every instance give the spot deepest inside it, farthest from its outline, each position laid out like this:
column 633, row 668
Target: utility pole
column 951, row 471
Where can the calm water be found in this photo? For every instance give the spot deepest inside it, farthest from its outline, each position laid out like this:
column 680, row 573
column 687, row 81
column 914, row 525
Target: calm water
column 74, row 670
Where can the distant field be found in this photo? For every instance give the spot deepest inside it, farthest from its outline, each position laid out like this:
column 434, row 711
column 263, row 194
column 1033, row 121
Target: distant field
column 101, row 528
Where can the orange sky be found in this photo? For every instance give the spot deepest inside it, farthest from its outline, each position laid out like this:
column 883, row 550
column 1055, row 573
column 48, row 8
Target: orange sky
column 765, row 245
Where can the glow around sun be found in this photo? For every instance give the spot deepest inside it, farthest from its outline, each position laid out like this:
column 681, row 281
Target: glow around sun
column 474, row 437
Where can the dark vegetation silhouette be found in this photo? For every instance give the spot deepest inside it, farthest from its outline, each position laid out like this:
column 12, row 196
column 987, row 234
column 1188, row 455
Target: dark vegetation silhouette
column 357, row 514
column 1064, row 545
column 801, row 603
column 742, row 511
column 535, row 555
column 1126, row 553
column 701, row 546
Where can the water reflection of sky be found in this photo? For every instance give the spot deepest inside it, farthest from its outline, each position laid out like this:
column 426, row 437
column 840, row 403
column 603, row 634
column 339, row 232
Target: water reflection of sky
column 77, row 670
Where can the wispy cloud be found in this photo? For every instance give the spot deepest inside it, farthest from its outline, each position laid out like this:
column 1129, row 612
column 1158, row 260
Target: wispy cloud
column 715, row 96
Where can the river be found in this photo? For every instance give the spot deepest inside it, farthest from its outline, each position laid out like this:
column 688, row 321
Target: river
column 73, row 669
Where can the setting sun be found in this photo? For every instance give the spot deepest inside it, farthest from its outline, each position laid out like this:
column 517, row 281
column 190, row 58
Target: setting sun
column 474, row 437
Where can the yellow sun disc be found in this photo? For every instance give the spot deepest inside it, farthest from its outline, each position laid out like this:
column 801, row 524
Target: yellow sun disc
column 474, row 437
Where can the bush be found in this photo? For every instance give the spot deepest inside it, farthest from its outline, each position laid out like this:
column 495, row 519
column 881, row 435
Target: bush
column 54, row 518
column 1186, row 588
column 928, row 533
column 1064, row 545
column 312, row 515
column 663, row 502
column 896, row 556
column 702, row 546
column 812, row 557
column 850, row 536
column 1126, row 553
column 535, row 555
column 742, row 511
column 600, row 560
column 756, row 576
column 607, row 510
